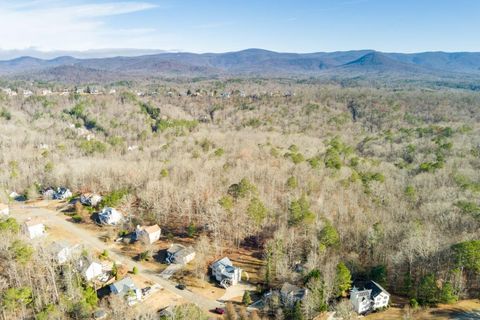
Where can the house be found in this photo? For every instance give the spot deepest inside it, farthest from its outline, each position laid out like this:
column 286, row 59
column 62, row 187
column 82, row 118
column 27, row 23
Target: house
column 291, row 294
column 63, row 251
column 89, row 269
column 110, row 216
column 4, row 209
column 33, row 228
column 27, row 93
column 167, row 312
column 371, row 298
column 90, row 199
column 46, row 92
column 225, row 273
column 48, row 193
column 127, row 288
column 9, row 92
column 148, row 234
column 179, row 254
column 62, row 193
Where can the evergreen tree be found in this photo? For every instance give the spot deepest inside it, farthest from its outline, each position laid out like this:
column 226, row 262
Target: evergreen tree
column 343, row 279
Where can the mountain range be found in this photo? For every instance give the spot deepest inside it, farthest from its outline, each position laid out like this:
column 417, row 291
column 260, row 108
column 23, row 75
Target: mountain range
column 250, row 62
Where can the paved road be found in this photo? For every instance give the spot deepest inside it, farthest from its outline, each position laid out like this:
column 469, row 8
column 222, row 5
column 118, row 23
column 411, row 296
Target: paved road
column 52, row 218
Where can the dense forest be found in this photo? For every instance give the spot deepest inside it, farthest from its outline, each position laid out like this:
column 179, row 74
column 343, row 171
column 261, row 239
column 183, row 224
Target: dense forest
column 344, row 183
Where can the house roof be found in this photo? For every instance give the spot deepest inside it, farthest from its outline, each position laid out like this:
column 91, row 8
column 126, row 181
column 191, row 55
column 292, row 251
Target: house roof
column 225, row 266
column 180, row 251
column 376, row 288
column 293, row 290
column 174, row 248
column 85, row 262
column 33, row 222
column 124, row 285
column 61, row 244
column 150, row 229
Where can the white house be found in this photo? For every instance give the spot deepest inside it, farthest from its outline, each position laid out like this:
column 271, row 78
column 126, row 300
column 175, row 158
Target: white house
column 148, row 234
column 225, row 273
column 62, row 193
column 63, row 251
column 27, row 93
column 90, row 269
column 127, row 288
column 46, row 92
column 180, row 254
column 4, row 209
column 371, row 298
column 34, row 228
column 110, row 216
column 9, row 92
column 90, row 199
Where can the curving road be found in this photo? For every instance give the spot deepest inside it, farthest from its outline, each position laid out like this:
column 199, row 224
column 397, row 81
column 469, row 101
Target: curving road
column 58, row 220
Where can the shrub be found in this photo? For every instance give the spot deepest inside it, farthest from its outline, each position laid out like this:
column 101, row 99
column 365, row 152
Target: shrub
column 292, row 183
column 77, row 218
column 4, row 113
column 242, row 189
column 21, row 251
column 468, row 207
column 104, row 255
column 164, row 173
column 414, row 303
column 219, row 152
column 226, row 202
column 145, row 256
column 246, row 299
column 113, row 198
column 135, row 270
column 92, row 146
column 332, row 159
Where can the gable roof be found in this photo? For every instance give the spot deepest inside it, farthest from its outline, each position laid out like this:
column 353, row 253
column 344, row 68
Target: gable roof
column 150, row 229
column 289, row 289
column 33, row 222
column 222, row 262
column 124, row 285
column 376, row 288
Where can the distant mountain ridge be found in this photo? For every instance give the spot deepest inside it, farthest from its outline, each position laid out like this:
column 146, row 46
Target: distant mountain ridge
column 249, row 62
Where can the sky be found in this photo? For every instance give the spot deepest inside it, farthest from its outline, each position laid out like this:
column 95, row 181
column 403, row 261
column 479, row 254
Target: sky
column 106, row 27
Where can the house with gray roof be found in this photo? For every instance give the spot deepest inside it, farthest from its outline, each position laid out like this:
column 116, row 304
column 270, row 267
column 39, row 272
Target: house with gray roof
column 127, row 288
column 179, row 254
column 225, row 273
column 291, row 294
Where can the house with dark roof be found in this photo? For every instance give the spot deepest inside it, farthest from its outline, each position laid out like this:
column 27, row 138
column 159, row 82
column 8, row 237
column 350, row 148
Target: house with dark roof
column 371, row 297
column 291, row 294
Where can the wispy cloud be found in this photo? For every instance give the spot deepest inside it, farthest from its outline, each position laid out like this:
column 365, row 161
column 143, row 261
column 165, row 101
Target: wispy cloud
column 51, row 24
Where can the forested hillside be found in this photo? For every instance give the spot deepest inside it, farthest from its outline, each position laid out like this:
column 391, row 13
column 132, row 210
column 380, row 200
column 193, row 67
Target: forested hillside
column 313, row 177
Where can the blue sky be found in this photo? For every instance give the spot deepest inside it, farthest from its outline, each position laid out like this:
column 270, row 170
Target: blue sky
column 228, row 25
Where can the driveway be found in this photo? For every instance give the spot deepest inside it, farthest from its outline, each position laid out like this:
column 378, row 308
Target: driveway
column 236, row 291
column 170, row 270
column 58, row 220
